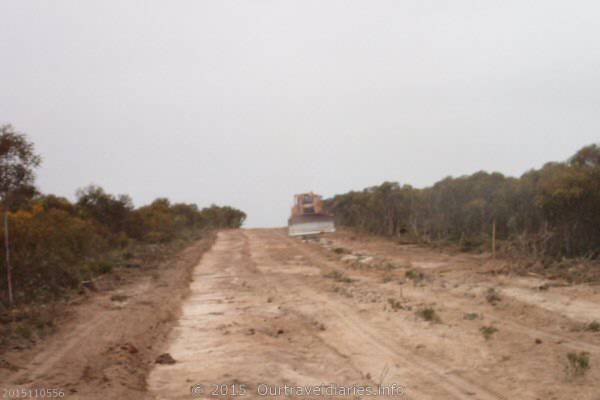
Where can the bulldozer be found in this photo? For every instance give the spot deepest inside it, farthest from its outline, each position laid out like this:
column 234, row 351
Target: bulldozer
column 308, row 217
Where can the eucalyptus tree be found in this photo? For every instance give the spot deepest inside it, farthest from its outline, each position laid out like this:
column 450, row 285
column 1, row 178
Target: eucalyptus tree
column 18, row 161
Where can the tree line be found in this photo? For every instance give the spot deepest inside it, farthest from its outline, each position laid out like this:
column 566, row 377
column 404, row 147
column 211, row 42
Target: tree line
column 52, row 244
column 552, row 211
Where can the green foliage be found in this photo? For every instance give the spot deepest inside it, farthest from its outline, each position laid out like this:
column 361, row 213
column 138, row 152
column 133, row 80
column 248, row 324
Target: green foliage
column 553, row 211
column 17, row 163
column 48, row 248
column 338, row 276
column 471, row 316
column 102, row 267
column 23, row 330
column 55, row 245
column 415, row 275
column 577, row 364
column 111, row 211
column 488, row 331
column 428, row 314
column 161, row 222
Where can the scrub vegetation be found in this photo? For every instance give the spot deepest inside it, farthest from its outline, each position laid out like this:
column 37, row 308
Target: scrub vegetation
column 56, row 245
column 550, row 214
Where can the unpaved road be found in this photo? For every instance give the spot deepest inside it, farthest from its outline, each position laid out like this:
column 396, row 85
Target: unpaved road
column 263, row 308
column 268, row 309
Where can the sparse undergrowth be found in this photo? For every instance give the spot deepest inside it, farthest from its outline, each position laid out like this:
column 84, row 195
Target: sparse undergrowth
column 24, row 324
column 340, row 250
column 492, row 296
column 593, row 326
column 415, row 275
column 578, row 364
column 338, row 276
column 343, row 291
column 471, row 316
column 572, row 270
column 552, row 212
column 428, row 314
column 395, row 304
column 119, row 297
column 387, row 266
column 488, row 331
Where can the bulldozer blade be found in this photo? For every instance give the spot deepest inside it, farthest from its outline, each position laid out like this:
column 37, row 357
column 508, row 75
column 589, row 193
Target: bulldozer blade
column 306, row 225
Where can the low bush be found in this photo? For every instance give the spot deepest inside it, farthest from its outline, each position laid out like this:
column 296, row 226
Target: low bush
column 415, row 275
column 395, row 304
column 577, row 364
column 428, row 314
column 55, row 244
column 593, row 326
column 492, row 296
column 471, row 316
column 338, row 277
column 488, row 331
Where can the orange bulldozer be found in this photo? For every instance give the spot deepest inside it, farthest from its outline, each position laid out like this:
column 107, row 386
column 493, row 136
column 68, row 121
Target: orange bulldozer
column 308, row 217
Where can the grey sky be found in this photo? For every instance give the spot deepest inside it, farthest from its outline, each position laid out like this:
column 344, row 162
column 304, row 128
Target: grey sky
column 248, row 102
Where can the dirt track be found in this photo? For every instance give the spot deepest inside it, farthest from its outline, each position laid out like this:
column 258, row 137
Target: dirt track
column 105, row 345
column 264, row 308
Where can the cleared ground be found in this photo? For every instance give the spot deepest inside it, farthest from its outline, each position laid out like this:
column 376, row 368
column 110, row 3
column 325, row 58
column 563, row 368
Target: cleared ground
column 263, row 308
column 268, row 309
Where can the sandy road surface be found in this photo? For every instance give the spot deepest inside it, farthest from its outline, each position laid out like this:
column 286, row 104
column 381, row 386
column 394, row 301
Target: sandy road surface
column 263, row 308
column 266, row 309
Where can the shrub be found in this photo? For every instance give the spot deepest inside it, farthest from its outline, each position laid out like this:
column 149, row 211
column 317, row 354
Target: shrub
column 428, row 314
column 488, row 331
column 106, row 209
column 415, row 275
column 492, row 296
column 119, row 297
column 23, row 330
column 395, row 304
column 593, row 326
column 577, row 364
column 338, row 276
column 471, row 316
column 47, row 250
column 56, row 245
column 102, row 267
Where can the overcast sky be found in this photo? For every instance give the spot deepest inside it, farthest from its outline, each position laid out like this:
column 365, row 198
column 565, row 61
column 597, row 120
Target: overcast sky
column 248, row 102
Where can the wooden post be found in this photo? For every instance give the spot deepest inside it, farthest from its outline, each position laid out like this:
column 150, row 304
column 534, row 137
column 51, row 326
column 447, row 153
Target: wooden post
column 494, row 239
column 11, row 299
